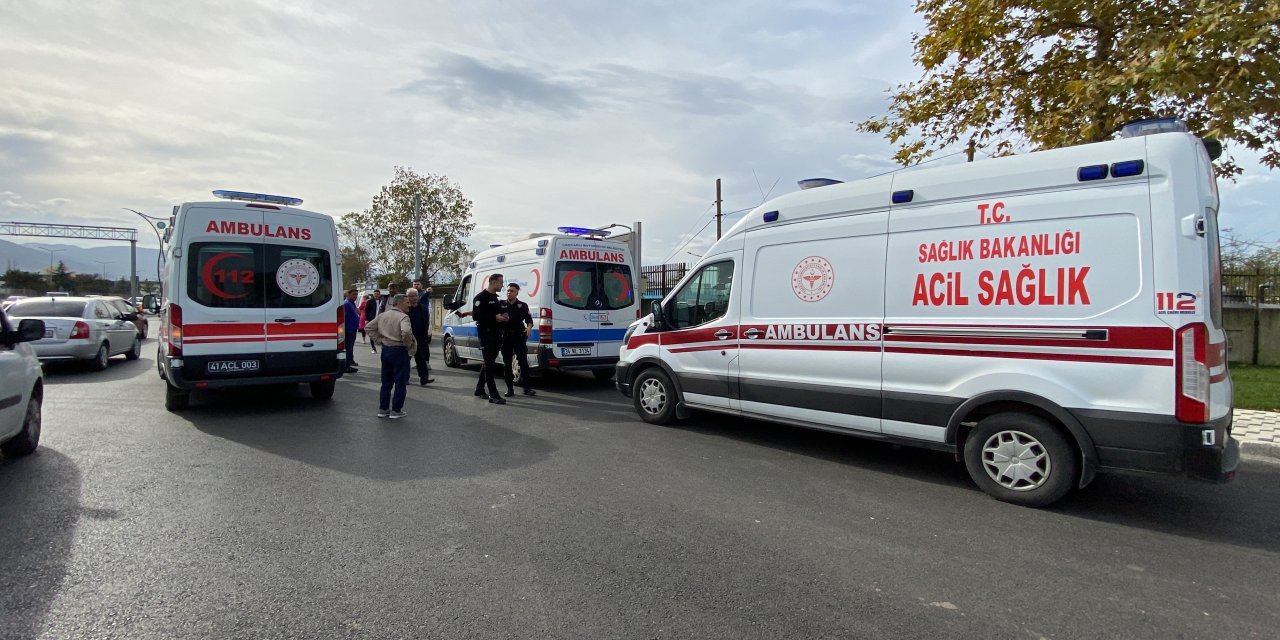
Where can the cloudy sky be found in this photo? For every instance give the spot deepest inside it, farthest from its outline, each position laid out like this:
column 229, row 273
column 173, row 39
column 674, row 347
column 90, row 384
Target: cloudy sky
column 545, row 113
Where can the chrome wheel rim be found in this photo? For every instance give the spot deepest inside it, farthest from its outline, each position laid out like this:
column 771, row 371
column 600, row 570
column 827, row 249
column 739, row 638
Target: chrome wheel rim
column 33, row 419
column 137, row 347
column 103, row 356
column 653, row 396
column 1016, row 461
column 453, row 351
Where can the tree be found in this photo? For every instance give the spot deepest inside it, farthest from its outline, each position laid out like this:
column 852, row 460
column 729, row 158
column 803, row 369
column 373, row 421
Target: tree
column 1052, row 73
column 18, row 280
column 355, row 240
column 388, row 224
column 60, row 277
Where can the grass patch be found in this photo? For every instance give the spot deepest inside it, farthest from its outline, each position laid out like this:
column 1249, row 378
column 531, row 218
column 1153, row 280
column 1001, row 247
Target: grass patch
column 1257, row 387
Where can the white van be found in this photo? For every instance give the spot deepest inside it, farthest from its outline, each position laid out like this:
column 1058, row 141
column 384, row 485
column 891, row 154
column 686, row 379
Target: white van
column 581, row 292
column 1044, row 317
column 250, row 287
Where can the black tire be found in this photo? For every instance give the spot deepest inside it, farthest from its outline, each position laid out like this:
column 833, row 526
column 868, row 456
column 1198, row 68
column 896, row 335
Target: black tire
column 29, row 438
column 99, row 362
column 323, row 389
column 135, row 351
column 654, row 396
column 176, row 399
column 451, row 358
column 160, row 363
column 602, row 374
column 1049, row 467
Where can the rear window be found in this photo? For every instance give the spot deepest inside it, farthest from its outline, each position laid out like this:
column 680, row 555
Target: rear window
column 593, row 285
column 226, row 274
column 47, row 308
column 301, row 277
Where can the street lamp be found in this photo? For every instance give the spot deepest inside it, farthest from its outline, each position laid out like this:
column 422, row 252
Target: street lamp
column 104, row 264
column 51, row 252
column 156, row 225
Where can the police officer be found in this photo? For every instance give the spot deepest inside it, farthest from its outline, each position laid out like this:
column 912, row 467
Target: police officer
column 515, row 339
column 489, row 326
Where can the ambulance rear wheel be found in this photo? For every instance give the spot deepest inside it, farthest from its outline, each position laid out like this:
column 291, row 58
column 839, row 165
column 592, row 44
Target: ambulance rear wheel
column 176, row 399
column 451, row 358
column 654, row 397
column 1021, row 459
column 323, row 389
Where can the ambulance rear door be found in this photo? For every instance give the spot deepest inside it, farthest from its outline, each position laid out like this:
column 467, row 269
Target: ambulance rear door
column 301, row 311
column 222, row 293
column 594, row 299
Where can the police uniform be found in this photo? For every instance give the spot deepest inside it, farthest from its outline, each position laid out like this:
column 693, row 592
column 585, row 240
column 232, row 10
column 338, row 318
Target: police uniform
column 485, row 309
column 514, row 343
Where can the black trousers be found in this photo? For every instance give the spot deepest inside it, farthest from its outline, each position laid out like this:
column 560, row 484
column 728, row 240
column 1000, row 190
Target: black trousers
column 515, row 347
column 490, row 345
column 423, row 358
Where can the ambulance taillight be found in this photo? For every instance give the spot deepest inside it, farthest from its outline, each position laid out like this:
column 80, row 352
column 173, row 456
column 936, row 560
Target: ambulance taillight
column 1191, row 349
column 175, row 331
column 544, row 326
column 342, row 327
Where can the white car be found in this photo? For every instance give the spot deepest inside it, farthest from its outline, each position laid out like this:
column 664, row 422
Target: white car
column 21, row 387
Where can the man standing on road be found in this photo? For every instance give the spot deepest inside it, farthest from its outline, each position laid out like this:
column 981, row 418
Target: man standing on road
column 420, row 321
column 394, row 332
column 515, row 339
column 351, row 324
column 372, row 307
column 489, row 326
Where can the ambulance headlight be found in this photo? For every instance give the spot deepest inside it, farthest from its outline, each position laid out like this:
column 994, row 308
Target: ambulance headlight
column 626, row 337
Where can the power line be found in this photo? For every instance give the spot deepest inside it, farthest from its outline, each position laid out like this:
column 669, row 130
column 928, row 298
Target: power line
column 690, row 239
column 918, row 164
column 695, row 223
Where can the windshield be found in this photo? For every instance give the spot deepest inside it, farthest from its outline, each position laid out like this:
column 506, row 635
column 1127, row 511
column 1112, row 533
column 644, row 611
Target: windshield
column 46, row 308
column 593, row 285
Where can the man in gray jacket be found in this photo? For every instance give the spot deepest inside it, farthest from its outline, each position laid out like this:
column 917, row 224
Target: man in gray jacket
column 393, row 330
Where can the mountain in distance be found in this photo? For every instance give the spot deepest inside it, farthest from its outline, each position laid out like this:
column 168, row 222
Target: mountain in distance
column 32, row 256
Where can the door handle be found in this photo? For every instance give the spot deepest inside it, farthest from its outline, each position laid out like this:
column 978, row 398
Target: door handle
column 753, row 333
column 724, row 334
column 286, row 320
column 607, row 324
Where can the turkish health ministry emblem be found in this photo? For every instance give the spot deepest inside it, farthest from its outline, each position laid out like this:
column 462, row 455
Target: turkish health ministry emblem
column 813, row 278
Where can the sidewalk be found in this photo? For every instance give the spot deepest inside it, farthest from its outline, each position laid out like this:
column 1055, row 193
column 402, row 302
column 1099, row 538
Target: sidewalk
column 1258, row 432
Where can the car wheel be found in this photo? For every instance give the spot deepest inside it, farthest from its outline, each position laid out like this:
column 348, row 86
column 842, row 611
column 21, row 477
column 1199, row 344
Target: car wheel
column 176, row 399
column 451, row 358
column 160, row 363
column 654, row 397
column 602, row 374
column 322, row 390
column 99, row 362
column 135, row 351
column 29, row 438
column 1021, row 459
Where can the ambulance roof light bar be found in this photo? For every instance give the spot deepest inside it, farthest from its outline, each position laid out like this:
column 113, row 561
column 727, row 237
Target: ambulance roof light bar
column 257, row 197
column 1152, row 126
column 583, row 231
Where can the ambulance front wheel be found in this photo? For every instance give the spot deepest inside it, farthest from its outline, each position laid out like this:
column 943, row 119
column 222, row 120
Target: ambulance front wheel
column 176, row 399
column 323, row 389
column 1021, row 459
column 654, row 396
column 451, row 358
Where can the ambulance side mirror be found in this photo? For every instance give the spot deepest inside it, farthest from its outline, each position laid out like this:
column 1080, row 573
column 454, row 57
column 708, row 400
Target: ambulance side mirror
column 453, row 305
column 1214, row 147
column 659, row 316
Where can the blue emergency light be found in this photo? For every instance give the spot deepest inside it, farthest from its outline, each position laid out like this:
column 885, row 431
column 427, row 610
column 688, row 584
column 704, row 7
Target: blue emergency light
column 583, row 231
column 257, row 197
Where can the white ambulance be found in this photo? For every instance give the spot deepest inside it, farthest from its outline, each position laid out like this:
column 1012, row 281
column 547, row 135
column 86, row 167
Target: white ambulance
column 1044, row 317
column 251, row 289
column 580, row 288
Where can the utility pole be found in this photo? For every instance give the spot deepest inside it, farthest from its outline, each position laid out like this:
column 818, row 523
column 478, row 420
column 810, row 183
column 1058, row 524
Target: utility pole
column 969, row 151
column 417, row 236
column 718, row 214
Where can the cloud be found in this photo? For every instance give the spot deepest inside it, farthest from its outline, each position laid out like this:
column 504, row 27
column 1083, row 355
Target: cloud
column 467, row 83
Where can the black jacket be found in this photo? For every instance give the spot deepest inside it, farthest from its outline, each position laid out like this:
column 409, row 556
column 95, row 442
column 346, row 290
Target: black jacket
column 485, row 308
column 518, row 312
column 421, row 321
column 373, row 307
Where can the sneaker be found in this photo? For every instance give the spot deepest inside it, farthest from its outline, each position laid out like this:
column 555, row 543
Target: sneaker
column 481, row 394
column 382, row 413
column 530, row 392
column 352, row 370
column 396, row 414
column 510, row 392
column 496, row 400
column 426, row 382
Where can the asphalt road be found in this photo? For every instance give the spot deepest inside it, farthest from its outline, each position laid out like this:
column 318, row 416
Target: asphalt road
column 264, row 513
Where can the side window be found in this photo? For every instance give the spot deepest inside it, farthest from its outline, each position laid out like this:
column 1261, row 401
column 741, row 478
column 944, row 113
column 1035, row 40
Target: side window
column 226, row 274
column 101, row 312
column 704, row 298
column 298, row 277
column 463, row 294
column 122, row 307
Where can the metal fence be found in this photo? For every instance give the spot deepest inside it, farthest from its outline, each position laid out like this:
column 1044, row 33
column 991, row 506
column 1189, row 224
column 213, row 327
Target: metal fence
column 1244, row 288
column 657, row 281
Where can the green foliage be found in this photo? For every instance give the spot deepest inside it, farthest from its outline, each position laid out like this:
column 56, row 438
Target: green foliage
column 1257, row 387
column 1053, row 73
column 60, row 278
column 18, row 280
column 382, row 235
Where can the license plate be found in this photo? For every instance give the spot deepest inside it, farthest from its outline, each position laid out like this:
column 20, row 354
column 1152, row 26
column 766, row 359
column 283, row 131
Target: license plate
column 232, row 366
column 48, row 333
column 575, row 351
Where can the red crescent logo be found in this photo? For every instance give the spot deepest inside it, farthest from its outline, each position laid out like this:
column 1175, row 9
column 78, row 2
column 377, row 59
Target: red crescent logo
column 206, row 276
column 537, row 283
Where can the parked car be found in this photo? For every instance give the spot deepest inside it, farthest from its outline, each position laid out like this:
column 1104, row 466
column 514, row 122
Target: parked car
column 77, row 328
column 132, row 310
column 21, row 386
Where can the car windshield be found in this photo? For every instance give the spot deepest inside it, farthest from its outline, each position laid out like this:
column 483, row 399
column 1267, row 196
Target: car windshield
column 47, row 308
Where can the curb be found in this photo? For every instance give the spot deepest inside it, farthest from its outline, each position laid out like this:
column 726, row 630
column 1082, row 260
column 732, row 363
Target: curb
column 1261, row 450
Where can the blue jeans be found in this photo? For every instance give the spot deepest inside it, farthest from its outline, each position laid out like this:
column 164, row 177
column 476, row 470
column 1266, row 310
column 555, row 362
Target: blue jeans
column 395, row 371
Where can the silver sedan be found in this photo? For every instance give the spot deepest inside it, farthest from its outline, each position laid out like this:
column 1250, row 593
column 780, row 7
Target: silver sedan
column 86, row 329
